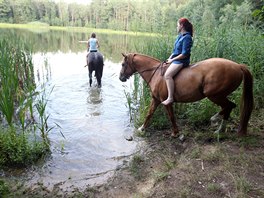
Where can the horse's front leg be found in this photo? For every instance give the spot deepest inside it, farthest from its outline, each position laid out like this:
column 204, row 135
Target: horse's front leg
column 153, row 106
column 169, row 109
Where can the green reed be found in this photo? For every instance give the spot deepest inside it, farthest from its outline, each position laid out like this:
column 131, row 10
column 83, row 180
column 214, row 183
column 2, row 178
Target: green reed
column 9, row 84
column 17, row 78
column 241, row 45
column 42, row 125
column 17, row 105
column 132, row 98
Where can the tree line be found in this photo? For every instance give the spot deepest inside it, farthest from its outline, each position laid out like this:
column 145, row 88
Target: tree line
column 132, row 15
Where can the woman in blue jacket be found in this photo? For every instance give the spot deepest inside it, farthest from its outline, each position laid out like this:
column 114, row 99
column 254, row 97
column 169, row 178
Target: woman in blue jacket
column 180, row 56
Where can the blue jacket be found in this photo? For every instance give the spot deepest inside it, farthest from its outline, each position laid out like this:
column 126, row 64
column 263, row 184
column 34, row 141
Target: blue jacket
column 183, row 45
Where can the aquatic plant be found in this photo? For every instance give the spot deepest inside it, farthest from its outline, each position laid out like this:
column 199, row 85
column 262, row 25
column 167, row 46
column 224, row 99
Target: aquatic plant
column 19, row 141
column 42, row 125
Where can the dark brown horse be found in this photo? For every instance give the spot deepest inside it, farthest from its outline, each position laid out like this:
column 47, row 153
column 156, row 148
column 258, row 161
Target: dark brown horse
column 95, row 62
column 213, row 78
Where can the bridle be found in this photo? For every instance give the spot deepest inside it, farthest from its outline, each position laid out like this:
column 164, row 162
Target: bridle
column 131, row 63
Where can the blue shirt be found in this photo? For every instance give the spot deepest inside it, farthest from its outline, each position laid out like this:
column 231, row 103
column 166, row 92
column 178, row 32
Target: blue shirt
column 183, row 45
column 93, row 44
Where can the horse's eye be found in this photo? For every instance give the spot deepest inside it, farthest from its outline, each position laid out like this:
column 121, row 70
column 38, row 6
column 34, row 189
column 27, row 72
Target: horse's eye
column 123, row 64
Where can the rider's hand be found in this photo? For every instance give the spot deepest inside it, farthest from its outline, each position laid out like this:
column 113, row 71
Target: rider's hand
column 168, row 61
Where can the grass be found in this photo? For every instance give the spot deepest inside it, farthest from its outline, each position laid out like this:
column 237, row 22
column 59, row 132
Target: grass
column 214, row 188
column 242, row 185
column 219, row 165
column 4, row 188
column 134, row 166
column 18, row 149
column 159, row 176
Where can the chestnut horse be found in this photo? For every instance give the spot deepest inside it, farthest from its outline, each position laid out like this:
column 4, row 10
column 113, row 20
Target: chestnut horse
column 214, row 78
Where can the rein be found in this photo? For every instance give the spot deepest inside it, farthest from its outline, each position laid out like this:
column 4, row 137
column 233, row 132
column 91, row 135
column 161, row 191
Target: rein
column 150, row 69
column 153, row 68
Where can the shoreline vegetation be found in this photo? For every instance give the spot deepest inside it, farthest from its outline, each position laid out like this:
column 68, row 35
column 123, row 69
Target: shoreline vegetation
column 44, row 26
column 23, row 120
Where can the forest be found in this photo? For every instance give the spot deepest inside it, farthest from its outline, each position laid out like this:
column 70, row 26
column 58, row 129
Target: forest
column 132, row 15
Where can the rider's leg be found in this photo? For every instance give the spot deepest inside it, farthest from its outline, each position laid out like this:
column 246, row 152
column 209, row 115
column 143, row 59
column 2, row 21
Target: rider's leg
column 169, row 74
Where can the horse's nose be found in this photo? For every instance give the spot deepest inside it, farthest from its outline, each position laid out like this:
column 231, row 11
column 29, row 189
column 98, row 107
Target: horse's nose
column 122, row 78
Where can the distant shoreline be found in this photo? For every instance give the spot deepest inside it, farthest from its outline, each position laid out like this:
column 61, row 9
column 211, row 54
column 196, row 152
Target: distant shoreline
column 74, row 29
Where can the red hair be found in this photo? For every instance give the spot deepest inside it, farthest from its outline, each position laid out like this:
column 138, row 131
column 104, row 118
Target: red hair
column 187, row 25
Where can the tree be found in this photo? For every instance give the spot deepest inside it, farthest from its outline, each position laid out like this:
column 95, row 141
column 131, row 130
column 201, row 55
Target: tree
column 5, row 11
column 63, row 13
column 238, row 14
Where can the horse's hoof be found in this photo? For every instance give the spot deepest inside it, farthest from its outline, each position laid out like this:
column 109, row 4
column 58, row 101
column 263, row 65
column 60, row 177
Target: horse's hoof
column 141, row 128
column 175, row 135
column 182, row 137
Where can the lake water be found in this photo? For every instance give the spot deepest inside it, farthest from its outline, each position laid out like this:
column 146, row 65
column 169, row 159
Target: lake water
column 94, row 121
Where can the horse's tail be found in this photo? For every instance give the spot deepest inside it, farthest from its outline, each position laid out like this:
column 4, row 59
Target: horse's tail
column 247, row 101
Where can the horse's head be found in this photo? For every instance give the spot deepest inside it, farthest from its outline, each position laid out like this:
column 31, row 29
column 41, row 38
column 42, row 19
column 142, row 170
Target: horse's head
column 127, row 67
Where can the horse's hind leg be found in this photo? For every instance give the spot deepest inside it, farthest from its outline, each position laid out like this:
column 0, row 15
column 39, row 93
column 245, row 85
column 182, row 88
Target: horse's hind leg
column 90, row 78
column 226, row 106
column 98, row 78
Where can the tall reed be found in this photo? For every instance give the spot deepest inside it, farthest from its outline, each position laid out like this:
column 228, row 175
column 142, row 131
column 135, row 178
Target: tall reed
column 42, row 125
column 17, row 78
column 17, row 96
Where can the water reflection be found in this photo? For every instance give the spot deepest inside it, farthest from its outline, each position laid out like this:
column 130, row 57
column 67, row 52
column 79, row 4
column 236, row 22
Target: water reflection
column 94, row 96
column 95, row 99
column 111, row 45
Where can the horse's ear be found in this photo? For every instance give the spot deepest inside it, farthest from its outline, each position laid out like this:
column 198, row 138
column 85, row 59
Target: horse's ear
column 124, row 55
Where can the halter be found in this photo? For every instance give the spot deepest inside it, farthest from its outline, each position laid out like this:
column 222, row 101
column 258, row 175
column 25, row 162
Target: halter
column 130, row 63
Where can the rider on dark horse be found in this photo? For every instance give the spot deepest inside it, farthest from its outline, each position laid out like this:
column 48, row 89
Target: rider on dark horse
column 92, row 44
column 94, row 59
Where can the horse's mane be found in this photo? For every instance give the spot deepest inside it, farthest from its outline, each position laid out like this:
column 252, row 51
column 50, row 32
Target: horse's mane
column 134, row 54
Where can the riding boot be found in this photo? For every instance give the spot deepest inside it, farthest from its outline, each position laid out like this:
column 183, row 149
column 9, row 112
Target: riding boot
column 170, row 87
